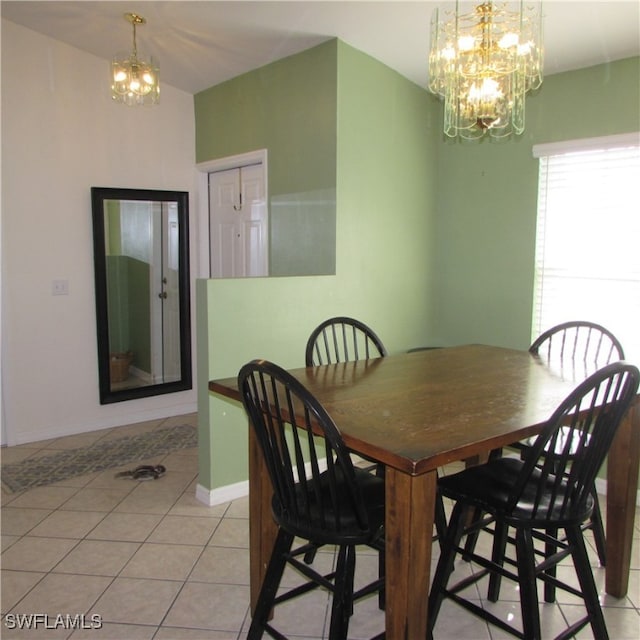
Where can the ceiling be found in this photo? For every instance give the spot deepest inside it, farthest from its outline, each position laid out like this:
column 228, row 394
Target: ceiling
column 200, row 44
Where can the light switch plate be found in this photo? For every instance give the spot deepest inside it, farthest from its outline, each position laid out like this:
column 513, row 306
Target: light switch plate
column 60, row 288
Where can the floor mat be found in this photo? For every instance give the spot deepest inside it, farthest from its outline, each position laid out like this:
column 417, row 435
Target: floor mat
column 107, row 454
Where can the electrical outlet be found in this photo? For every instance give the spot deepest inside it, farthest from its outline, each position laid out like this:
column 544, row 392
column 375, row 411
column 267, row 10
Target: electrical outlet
column 60, row 288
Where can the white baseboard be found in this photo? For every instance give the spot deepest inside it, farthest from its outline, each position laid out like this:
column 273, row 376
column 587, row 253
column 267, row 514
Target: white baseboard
column 116, row 419
column 212, row 497
column 601, row 488
column 145, row 376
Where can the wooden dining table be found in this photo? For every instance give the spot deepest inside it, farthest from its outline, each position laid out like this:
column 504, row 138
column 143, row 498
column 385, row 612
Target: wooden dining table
column 418, row 411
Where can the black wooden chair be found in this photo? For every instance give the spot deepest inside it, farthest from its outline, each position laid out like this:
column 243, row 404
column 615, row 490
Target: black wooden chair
column 342, row 505
column 342, row 339
column 575, row 350
column 537, row 496
column 345, row 339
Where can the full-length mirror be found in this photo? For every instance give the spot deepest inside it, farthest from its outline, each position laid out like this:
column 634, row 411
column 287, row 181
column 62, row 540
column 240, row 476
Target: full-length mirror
column 141, row 258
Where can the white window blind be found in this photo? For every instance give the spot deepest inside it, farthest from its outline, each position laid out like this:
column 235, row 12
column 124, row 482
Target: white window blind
column 588, row 240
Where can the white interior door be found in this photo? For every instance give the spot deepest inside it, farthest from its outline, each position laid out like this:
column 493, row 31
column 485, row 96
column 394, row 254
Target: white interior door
column 171, row 293
column 238, row 223
column 165, row 294
column 156, row 292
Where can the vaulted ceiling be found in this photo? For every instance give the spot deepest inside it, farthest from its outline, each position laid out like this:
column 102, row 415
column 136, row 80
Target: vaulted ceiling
column 200, row 44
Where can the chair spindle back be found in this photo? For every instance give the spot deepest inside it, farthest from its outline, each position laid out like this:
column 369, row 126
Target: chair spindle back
column 342, row 339
column 577, row 348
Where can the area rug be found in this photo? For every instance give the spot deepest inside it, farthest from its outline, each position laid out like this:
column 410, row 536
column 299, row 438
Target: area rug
column 108, row 454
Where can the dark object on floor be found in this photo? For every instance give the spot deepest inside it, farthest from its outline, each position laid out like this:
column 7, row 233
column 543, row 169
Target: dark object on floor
column 342, row 506
column 144, row 472
column 101, row 455
column 538, row 497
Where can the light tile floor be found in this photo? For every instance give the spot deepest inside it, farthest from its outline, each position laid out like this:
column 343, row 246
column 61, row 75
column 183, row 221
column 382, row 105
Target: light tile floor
column 151, row 562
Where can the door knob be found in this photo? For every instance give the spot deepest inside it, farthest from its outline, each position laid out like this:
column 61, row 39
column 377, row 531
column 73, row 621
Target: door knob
column 162, row 295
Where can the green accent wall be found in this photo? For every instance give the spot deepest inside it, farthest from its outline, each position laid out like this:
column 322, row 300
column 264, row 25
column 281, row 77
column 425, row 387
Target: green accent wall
column 128, row 295
column 140, row 313
column 487, row 203
column 112, row 227
column 289, row 108
column 385, row 159
column 129, row 310
column 118, row 303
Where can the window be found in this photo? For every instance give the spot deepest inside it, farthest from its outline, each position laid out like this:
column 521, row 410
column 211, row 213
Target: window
column 588, row 237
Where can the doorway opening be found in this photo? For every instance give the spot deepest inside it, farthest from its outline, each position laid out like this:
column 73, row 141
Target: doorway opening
column 233, row 197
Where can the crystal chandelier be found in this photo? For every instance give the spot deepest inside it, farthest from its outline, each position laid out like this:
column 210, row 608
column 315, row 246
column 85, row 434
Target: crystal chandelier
column 133, row 80
column 482, row 63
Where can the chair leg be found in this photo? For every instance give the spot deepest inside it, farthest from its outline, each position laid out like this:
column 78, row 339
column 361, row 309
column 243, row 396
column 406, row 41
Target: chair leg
column 497, row 555
column 587, row 583
column 310, row 556
column 382, row 593
column 444, row 568
column 440, row 517
column 342, row 606
column 472, row 538
column 549, row 550
column 529, row 605
column 598, row 531
column 270, row 585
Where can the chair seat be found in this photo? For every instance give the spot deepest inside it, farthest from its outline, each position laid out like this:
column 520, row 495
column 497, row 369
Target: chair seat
column 330, row 527
column 490, row 485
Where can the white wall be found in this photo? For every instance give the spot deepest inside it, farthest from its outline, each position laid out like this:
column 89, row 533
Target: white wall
column 61, row 135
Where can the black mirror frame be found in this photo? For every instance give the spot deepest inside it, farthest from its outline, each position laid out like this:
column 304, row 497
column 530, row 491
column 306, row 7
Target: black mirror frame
column 98, row 197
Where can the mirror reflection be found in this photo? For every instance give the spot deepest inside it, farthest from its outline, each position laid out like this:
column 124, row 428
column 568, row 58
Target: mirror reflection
column 142, row 292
